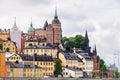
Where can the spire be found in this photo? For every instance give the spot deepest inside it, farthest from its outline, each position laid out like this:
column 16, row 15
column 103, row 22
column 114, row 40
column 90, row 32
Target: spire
column 31, row 28
column 86, row 42
column 86, row 39
column 15, row 22
column 45, row 25
column 95, row 50
column 56, row 12
column 31, row 23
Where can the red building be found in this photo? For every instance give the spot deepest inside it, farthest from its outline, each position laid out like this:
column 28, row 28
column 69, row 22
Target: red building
column 52, row 33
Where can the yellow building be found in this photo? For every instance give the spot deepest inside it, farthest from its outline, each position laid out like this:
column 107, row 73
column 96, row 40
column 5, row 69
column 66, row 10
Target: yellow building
column 40, row 50
column 24, row 69
column 4, row 34
column 9, row 46
column 72, row 60
column 44, row 61
column 13, row 57
column 32, row 41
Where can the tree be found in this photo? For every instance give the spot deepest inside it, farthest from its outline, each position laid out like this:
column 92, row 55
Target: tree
column 58, row 68
column 103, row 68
column 116, row 74
column 71, row 42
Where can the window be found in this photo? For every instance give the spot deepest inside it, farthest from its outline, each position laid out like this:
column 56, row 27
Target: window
column 66, row 73
column 51, row 64
column 4, row 44
column 41, row 50
column 41, row 63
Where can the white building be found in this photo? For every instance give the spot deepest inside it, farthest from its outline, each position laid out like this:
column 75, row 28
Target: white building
column 15, row 35
column 72, row 72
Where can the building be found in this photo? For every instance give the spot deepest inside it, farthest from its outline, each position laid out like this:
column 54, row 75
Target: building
column 51, row 32
column 15, row 36
column 111, row 70
column 4, row 34
column 4, row 69
column 73, row 61
column 40, row 50
column 72, row 72
column 96, row 63
column 24, row 69
column 9, row 46
column 32, row 41
column 44, row 61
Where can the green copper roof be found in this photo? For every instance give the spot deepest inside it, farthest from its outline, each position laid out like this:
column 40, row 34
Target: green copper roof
column 31, row 28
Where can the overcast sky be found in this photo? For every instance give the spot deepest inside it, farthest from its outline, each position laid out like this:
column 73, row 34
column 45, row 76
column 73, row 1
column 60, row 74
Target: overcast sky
column 101, row 18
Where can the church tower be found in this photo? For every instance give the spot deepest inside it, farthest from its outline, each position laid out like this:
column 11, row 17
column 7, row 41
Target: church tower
column 86, row 43
column 31, row 31
column 57, row 31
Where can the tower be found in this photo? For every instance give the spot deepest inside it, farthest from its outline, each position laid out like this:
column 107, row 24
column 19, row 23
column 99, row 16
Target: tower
column 95, row 51
column 57, row 31
column 15, row 35
column 86, row 43
column 31, row 31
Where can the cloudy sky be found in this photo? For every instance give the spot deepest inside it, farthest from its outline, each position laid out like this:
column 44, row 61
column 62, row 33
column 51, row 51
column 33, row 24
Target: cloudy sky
column 101, row 18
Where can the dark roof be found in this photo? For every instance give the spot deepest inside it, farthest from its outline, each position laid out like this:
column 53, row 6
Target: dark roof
column 74, row 69
column 38, row 47
column 43, row 58
column 56, row 21
column 87, row 57
column 36, row 57
column 31, row 40
column 21, row 65
column 72, row 56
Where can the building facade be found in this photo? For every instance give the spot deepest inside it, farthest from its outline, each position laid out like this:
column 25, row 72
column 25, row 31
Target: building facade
column 9, row 46
column 4, row 34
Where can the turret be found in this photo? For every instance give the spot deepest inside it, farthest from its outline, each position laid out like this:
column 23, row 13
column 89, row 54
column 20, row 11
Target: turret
column 31, row 31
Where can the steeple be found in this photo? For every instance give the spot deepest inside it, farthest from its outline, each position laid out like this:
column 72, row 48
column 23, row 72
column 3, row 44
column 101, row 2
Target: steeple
column 15, row 22
column 86, row 43
column 95, row 51
column 31, row 23
column 56, row 12
column 56, row 20
column 31, row 28
column 45, row 25
column 86, row 39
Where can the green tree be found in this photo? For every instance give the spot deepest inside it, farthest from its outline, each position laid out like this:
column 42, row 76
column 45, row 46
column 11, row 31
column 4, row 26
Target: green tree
column 103, row 68
column 71, row 42
column 58, row 68
column 116, row 74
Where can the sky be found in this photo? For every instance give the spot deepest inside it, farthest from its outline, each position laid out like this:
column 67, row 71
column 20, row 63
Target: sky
column 101, row 18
